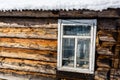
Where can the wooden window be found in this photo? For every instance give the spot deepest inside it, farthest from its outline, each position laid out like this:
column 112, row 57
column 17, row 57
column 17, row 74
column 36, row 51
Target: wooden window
column 76, row 45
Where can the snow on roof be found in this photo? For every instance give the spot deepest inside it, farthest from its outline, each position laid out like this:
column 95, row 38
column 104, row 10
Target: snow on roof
column 58, row 4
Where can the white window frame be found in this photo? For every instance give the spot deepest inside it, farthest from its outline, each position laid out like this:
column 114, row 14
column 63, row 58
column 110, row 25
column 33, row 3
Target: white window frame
column 92, row 23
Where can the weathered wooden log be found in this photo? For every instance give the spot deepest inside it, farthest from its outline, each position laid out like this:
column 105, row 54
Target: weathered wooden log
column 104, row 57
column 78, row 13
column 107, row 36
column 17, row 73
column 107, row 44
column 101, row 74
column 19, row 77
column 104, row 51
column 107, row 24
column 108, row 13
column 43, row 55
column 35, row 23
column 29, row 43
column 22, row 26
column 28, row 65
column 114, row 74
column 104, row 63
column 44, row 33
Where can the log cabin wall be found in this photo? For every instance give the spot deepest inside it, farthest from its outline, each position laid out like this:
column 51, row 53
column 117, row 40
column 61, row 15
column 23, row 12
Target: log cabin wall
column 28, row 44
column 107, row 50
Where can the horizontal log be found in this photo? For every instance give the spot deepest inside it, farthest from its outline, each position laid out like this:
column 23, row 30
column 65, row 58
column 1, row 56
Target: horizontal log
column 24, row 22
column 78, row 13
column 28, row 65
column 104, row 63
column 107, row 24
column 29, row 43
column 104, row 51
column 104, row 57
column 23, row 25
column 108, row 13
column 101, row 74
column 43, row 55
column 19, row 77
column 109, row 36
column 45, row 33
column 18, row 73
column 107, row 44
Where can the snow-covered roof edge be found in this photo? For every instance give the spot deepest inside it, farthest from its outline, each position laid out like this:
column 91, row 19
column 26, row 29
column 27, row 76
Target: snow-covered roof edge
column 6, row 5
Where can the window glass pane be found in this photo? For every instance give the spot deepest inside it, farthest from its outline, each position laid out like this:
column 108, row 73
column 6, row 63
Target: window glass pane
column 68, row 52
column 83, row 50
column 80, row 30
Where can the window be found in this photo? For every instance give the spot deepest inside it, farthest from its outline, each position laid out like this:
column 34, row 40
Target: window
column 76, row 45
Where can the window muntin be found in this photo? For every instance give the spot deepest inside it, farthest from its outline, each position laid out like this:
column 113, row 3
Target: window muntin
column 75, row 48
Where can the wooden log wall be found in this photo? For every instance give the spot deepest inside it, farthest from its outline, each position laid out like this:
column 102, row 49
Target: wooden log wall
column 28, row 47
column 108, row 50
column 28, row 44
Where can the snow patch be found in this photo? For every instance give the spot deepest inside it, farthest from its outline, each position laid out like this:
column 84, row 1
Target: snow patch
column 58, row 4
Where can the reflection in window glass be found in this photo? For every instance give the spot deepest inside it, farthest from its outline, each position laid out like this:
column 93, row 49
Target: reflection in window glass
column 80, row 30
column 83, row 48
column 68, row 52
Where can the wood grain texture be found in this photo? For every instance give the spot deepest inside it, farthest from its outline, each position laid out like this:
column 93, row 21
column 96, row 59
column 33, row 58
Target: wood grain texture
column 104, row 63
column 44, row 33
column 9, row 24
column 43, row 55
column 110, row 13
column 78, row 14
column 28, row 65
column 28, row 22
column 13, row 72
column 107, row 35
column 115, row 74
column 101, row 74
column 24, row 77
column 29, row 43
column 107, row 24
column 104, row 51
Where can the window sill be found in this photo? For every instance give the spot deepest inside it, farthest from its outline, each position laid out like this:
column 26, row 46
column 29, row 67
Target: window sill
column 77, row 70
